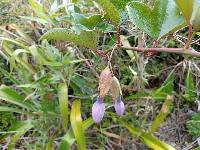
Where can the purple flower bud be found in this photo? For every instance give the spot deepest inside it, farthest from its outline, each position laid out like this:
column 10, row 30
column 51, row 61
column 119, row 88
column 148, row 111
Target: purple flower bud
column 98, row 110
column 119, row 106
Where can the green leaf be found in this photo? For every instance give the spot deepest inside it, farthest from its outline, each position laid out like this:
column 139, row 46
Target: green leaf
column 10, row 51
column 36, row 19
column 11, row 109
column 163, row 19
column 87, row 39
column 14, row 57
column 14, row 42
column 27, row 125
column 190, row 94
column 69, row 138
column 186, row 7
column 198, row 33
column 12, row 96
column 110, row 11
column 75, row 1
column 166, row 88
column 63, row 103
column 79, row 84
column 71, row 8
column 150, row 140
column 50, row 145
column 121, row 7
column 120, row 4
column 40, row 10
column 196, row 16
column 13, row 79
column 21, row 33
column 194, row 125
column 90, row 22
column 77, row 125
column 42, row 59
column 162, row 114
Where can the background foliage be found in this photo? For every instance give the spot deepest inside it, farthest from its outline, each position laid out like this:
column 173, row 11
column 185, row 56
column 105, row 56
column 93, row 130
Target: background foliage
column 50, row 65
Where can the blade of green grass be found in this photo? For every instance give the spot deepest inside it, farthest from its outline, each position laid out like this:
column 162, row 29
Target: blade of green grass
column 63, row 102
column 77, row 125
column 10, row 95
column 14, row 80
column 10, row 109
column 150, row 140
column 162, row 114
column 27, row 125
column 14, row 42
column 69, row 138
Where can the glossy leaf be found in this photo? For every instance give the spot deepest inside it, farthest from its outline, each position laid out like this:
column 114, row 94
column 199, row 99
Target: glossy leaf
column 162, row 114
column 163, row 19
column 63, row 103
column 69, row 138
column 27, row 125
column 110, row 11
column 87, row 39
column 150, row 140
column 77, row 125
column 186, row 7
column 14, row 97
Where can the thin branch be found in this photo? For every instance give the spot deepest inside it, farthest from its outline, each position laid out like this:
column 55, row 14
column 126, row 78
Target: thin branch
column 191, row 52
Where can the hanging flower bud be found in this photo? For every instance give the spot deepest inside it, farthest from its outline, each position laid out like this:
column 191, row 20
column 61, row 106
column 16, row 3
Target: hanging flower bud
column 119, row 106
column 98, row 110
column 115, row 88
column 105, row 81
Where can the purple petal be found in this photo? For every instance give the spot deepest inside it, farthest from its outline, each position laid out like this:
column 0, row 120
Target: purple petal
column 119, row 106
column 98, row 110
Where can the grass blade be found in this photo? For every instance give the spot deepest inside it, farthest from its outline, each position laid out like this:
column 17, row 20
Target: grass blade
column 190, row 94
column 63, row 102
column 10, row 109
column 162, row 114
column 150, row 140
column 77, row 125
column 69, row 138
column 27, row 125
column 10, row 95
